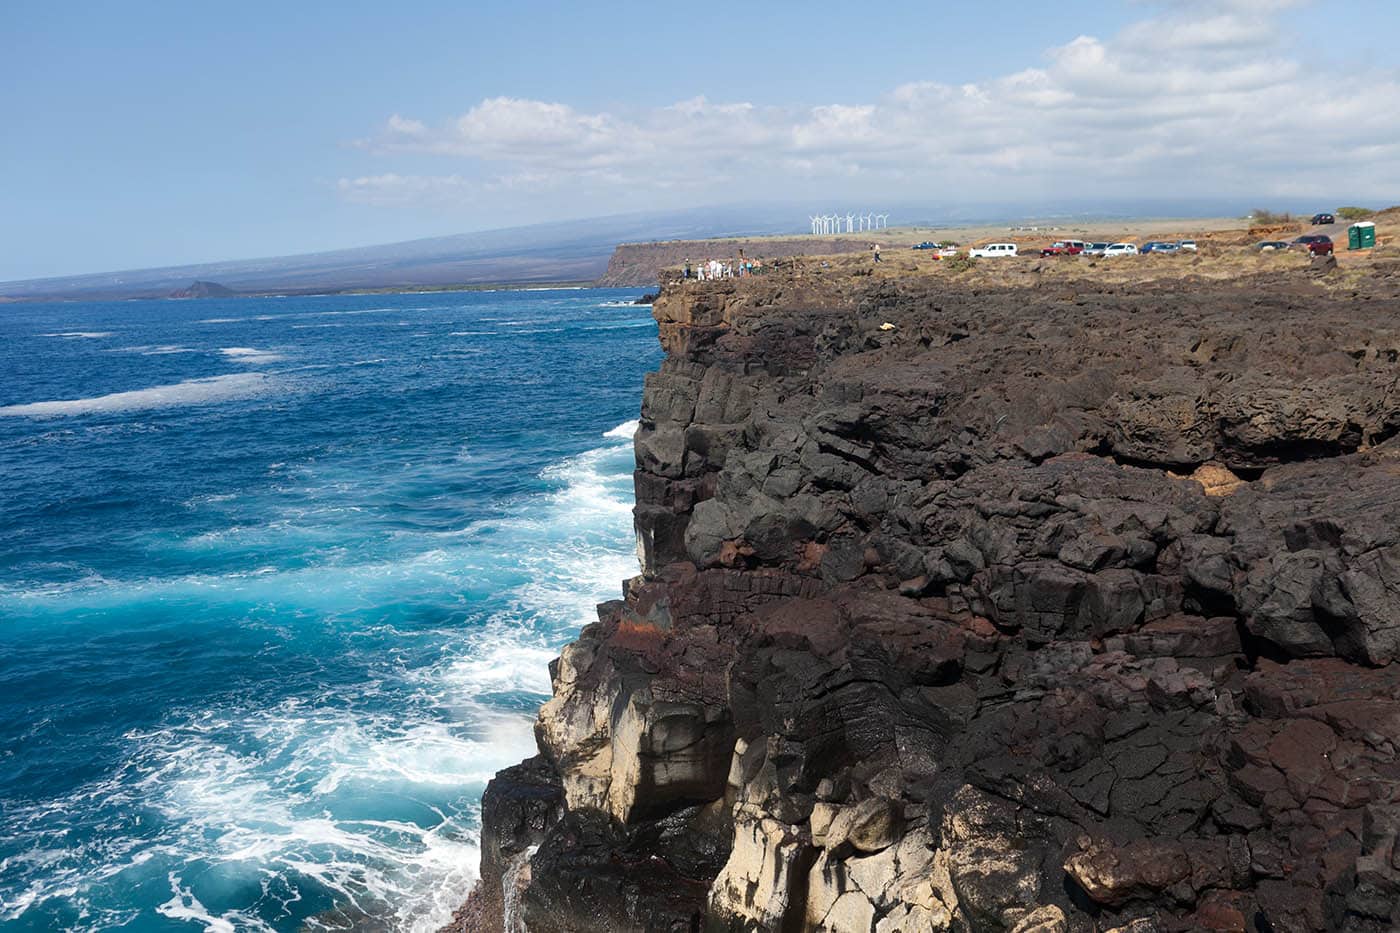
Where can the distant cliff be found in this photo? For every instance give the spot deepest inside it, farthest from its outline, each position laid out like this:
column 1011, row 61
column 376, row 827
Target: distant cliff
column 640, row 264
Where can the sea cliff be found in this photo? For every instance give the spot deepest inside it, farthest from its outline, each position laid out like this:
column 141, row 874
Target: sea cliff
column 1042, row 602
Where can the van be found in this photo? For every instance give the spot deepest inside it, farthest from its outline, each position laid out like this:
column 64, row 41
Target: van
column 993, row 250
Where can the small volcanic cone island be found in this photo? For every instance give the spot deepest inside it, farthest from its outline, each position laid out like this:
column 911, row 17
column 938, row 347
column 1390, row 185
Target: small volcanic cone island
column 1065, row 603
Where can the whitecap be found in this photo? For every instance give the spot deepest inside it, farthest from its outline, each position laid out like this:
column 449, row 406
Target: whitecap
column 627, row 430
column 251, row 355
column 188, row 392
column 157, row 350
column 81, row 334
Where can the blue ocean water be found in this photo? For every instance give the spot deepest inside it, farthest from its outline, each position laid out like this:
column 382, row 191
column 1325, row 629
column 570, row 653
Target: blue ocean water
column 279, row 582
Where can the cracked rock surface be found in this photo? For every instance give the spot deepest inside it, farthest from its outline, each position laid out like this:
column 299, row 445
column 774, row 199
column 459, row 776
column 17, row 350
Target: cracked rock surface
column 1069, row 608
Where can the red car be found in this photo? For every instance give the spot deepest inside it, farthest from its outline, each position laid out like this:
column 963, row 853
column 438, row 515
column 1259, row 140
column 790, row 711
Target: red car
column 1063, row 248
column 1317, row 244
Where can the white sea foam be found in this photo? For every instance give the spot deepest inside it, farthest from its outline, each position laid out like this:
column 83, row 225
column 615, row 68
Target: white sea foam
column 81, row 334
column 156, row 350
column 183, row 905
column 627, row 430
column 190, row 392
column 251, row 355
column 623, row 325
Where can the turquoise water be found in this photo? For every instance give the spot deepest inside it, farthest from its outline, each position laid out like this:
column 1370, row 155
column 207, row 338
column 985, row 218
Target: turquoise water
column 279, row 582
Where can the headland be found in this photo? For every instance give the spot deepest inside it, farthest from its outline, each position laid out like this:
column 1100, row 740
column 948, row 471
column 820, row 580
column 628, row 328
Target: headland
column 1054, row 595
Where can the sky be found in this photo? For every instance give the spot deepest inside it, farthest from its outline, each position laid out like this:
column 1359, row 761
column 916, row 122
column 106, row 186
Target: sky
column 158, row 133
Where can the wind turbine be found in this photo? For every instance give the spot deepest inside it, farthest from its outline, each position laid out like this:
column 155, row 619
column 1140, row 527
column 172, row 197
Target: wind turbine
column 816, row 223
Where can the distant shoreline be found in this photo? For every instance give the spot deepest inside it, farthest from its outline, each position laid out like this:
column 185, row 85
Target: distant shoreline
column 326, row 293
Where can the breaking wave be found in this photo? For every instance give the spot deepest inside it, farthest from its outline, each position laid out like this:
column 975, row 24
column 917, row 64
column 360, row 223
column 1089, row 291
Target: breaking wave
column 188, row 392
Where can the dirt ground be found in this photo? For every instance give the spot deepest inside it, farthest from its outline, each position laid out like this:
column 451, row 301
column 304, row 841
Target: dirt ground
column 1226, row 249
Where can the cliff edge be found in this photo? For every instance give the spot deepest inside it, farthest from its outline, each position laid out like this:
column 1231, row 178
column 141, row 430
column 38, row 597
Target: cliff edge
column 1046, row 602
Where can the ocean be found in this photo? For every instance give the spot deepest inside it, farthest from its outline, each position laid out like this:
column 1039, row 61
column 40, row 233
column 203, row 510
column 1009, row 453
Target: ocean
column 280, row 580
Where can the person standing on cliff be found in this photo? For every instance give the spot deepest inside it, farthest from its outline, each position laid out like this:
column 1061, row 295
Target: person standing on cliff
column 875, row 248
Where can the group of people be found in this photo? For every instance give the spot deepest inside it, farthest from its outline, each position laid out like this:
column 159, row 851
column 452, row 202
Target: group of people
column 721, row 269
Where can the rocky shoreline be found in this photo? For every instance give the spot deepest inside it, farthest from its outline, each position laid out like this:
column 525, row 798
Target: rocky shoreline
column 1055, row 604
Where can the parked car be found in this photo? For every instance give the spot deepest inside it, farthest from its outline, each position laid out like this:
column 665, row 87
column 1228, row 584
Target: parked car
column 926, row 245
column 1158, row 246
column 1121, row 249
column 1265, row 246
column 993, row 250
column 1094, row 249
column 1320, row 219
column 1063, row 248
column 1188, row 245
column 1317, row 244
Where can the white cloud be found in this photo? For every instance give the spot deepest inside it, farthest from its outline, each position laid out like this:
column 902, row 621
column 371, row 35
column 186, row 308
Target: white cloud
column 1201, row 99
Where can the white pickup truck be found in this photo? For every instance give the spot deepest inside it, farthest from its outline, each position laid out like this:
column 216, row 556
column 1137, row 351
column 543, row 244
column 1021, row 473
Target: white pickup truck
column 992, row 250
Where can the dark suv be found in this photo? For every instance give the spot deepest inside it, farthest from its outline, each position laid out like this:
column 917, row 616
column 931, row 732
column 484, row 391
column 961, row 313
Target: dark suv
column 1320, row 219
column 1317, row 244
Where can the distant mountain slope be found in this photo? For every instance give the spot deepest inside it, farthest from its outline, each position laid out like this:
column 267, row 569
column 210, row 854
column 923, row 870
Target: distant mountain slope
column 557, row 252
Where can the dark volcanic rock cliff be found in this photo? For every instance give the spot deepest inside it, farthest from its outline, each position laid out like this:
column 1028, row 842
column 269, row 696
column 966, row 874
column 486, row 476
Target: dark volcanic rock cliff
column 1063, row 607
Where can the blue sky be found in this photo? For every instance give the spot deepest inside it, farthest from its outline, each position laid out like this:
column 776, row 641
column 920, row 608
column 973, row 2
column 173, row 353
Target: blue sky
column 145, row 134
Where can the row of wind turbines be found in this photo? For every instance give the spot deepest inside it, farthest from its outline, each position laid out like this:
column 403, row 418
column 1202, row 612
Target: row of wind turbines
column 850, row 223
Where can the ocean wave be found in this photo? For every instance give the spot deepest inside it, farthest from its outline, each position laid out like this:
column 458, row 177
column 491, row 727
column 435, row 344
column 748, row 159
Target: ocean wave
column 157, row 350
column 272, row 794
column 251, row 355
column 622, row 325
column 189, row 392
column 80, row 334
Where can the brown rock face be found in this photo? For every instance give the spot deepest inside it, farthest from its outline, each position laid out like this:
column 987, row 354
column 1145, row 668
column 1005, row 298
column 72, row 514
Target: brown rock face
column 1063, row 609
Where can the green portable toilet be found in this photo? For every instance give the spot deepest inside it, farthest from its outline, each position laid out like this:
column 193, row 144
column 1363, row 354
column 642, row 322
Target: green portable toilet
column 1361, row 235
